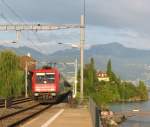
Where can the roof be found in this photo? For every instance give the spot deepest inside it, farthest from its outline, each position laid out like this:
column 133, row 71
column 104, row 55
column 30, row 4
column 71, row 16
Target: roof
column 45, row 70
column 101, row 74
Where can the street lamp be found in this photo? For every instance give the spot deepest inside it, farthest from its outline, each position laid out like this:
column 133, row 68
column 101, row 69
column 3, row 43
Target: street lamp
column 81, row 46
column 12, row 41
column 70, row 44
column 7, row 41
column 75, row 64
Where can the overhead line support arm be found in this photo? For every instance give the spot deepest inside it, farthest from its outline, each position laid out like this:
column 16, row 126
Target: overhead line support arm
column 36, row 27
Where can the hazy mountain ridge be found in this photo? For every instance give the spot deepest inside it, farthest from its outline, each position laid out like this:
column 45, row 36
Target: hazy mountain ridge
column 24, row 51
column 129, row 63
column 118, row 50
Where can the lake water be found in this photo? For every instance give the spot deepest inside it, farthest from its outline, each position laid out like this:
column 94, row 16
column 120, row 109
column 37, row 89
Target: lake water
column 135, row 121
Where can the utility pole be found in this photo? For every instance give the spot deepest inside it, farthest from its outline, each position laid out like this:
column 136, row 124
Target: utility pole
column 18, row 35
column 76, row 76
column 82, row 40
column 26, row 80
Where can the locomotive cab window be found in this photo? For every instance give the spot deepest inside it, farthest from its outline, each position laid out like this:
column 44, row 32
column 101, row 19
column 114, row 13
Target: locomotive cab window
column 45, row 78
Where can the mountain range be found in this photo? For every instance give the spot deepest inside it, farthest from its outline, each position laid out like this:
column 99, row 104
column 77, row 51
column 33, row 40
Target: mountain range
column 128, row 63
column 24, row 51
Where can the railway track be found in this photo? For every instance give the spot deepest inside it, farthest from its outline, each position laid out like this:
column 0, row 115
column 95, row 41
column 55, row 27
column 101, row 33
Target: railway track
column 22, row 115
column 19, row 117
column 15, row 101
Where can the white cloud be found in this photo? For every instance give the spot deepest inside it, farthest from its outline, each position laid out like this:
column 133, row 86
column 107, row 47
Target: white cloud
column 124, row 21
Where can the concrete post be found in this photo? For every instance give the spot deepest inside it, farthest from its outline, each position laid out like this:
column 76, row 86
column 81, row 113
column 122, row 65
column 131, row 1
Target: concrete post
column 82, row 40
column 26, row 80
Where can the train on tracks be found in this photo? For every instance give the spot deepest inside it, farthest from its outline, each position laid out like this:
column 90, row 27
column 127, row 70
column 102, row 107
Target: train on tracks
column 48, row 84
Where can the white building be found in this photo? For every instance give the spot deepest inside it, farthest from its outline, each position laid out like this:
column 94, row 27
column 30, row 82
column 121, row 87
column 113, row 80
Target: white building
column 102, row 76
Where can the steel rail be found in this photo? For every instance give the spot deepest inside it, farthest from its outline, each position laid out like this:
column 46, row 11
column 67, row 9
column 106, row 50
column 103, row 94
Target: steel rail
column 17, row 112
column 16, row 101
column 19, row 117
column 25, row 119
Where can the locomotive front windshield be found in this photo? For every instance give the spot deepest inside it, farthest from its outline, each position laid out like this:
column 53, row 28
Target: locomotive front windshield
column 45, row 78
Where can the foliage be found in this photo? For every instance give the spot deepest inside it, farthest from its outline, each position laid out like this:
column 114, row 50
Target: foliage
column 11, row 77
column 115, row 90
column 90, row 79
column 110, row 73
column 109, row 68
column 142, row 90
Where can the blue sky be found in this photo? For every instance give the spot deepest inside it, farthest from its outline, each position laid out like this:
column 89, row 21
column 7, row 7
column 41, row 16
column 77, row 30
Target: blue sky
column 123, row 21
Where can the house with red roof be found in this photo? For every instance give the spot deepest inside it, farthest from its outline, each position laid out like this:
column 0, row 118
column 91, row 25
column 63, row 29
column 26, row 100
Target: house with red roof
column 102, row 76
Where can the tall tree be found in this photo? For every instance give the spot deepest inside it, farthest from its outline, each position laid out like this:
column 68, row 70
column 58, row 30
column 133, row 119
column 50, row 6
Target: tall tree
column 92, row 72
column 90, row 78
column 110, row 73
column 109, row 67
column 11, row 77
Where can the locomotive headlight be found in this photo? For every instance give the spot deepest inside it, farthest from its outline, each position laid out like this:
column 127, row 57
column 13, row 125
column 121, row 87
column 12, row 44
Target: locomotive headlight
column 45, row 82
column 53, row 94
column 52, row 89
column 36, row 94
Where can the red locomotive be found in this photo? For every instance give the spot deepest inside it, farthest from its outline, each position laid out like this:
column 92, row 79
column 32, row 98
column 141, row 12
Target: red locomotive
column 48, row 84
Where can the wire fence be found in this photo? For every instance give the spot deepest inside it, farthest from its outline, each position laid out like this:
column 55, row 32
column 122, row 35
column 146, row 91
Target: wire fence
column 95, row 113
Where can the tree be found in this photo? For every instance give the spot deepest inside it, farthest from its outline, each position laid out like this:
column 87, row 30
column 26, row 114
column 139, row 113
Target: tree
column 111, row 74
column 143, row 92
column 109, row 71
column 109, row 68
column 90, row 78
column 11, row 77
column 92, row 72
column 114, row 90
